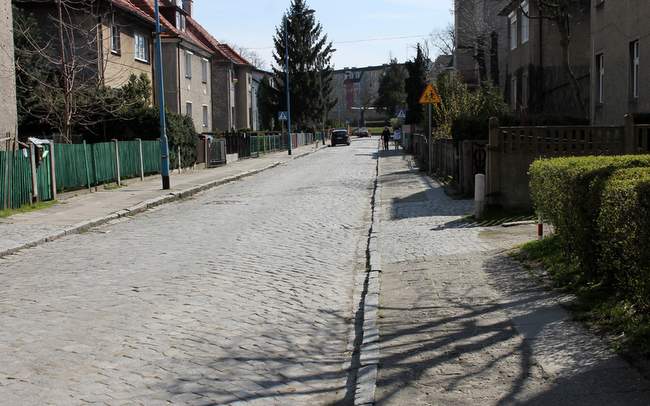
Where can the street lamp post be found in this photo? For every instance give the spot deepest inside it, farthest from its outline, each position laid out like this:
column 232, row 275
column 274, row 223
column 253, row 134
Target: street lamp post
column 164, row 145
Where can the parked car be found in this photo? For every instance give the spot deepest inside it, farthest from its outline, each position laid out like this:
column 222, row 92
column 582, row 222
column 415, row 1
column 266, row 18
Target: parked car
column 340, row 136
column 363, row 132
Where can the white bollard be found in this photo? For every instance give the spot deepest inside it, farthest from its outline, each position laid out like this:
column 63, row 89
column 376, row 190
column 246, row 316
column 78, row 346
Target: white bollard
column 479, row 195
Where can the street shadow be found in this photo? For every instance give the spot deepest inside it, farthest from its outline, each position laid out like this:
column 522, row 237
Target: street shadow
column 470, row 351
column 278, row 368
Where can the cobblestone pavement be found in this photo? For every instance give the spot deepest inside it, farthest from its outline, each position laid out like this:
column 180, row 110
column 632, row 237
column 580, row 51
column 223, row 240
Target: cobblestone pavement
column 241, row 295
column 80, row 206
column 462, row 324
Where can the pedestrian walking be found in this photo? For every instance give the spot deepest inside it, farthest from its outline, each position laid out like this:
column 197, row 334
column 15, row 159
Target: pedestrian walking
column 385, row 135
column 397, row 138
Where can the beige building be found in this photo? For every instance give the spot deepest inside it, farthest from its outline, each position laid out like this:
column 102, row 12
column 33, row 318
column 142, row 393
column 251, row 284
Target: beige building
column 620, row 81
column 8, row 116
column 125, row 43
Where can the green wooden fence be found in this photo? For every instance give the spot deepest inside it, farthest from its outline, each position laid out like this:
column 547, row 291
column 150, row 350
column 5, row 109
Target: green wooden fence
column 16, row 178
column 77, row 166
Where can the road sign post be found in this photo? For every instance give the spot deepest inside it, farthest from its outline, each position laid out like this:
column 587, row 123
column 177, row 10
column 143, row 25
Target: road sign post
column 430, row 97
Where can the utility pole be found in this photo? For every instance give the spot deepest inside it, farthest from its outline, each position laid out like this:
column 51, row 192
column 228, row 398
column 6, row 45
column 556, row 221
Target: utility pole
column 164, row 144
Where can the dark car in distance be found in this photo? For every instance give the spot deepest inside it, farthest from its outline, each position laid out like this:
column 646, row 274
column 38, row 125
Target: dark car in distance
column 363, row 132
column 340, row 137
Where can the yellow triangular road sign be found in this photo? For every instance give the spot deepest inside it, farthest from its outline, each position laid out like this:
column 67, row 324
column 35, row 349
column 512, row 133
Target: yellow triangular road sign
column 430, row 95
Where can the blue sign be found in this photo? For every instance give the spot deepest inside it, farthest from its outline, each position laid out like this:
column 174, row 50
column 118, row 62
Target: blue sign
column 401, row 115
column 283, row 116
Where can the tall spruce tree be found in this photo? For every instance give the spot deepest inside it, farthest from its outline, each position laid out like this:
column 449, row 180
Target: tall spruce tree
column 391, row 92
column 310, row 67
column 415, row 84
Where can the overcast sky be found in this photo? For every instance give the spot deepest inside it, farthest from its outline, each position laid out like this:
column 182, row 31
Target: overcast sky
column 365, row 32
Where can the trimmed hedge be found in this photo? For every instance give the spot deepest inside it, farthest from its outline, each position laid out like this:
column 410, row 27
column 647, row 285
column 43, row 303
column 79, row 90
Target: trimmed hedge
column 567, row 192
column 624, row 233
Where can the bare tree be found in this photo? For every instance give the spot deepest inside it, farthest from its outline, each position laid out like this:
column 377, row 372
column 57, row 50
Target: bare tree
column 444, row 40
column 60, row 66
column 251, row 56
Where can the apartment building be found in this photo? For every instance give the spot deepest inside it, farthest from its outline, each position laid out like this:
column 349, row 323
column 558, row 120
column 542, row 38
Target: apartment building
column 620, row 81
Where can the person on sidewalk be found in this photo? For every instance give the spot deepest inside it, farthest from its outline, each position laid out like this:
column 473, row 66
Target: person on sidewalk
column 397, row 138
column 385, row 135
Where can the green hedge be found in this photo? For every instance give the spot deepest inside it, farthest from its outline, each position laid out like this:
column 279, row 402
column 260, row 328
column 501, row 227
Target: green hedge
column 567, row 192
column 624, row 233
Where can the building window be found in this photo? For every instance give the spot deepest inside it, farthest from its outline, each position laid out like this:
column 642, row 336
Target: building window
column 513, row 92
column 141, row 48
column 204, row 70
column 525, row 21
column 634, row 69
column 188, row 109
column 116, row 44
column 513, row 29
column 205, row 116
column 180, row 21
column 188, row 65
column 600, row 79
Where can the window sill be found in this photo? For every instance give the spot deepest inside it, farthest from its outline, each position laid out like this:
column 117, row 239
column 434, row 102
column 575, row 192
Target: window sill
column 141, row 60
column 117, row 53
column 188, row 77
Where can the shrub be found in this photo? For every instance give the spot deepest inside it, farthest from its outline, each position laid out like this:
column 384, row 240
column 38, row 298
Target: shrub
column 624, row 231
column 567, row 192
column 181, row 133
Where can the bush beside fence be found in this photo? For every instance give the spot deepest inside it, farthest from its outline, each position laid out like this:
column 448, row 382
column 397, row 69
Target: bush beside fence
column 599, row 207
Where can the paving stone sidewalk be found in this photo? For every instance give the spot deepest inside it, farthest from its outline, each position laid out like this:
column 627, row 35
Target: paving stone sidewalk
column 463, row 324
column 77, row 207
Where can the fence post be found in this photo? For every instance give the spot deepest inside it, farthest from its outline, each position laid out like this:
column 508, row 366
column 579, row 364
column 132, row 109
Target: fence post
column 52, row 171
column 141, row 159
column 32, row 159
column 87, row 167
column 117, row 162
column 492, row 170
column 629, row 142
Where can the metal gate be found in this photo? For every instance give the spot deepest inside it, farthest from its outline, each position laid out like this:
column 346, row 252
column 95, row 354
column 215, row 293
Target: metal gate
column 216, row 152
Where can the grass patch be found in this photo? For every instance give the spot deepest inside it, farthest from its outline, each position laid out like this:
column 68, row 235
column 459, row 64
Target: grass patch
column 114, row 186
column 601, row 308
column 27, row 208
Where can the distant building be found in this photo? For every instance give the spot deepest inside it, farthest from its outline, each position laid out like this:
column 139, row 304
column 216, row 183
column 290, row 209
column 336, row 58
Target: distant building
column 355, row 91
column 258, row 76
column 8, row 116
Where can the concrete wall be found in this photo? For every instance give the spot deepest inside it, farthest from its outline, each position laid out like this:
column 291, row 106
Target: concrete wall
column 7, row 73
column 118, row 67
column 194, row 90
column 243, row 97
column 614, row 26
column 171, row 75
column 222, row 96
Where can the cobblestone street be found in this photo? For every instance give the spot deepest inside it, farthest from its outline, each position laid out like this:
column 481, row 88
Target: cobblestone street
column 243, row 294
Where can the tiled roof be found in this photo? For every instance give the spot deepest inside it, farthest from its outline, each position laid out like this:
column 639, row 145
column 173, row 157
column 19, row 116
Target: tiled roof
column 168, row 28
column 194, row 33
column 232, row 55
column 128, row 6
column 222, row 50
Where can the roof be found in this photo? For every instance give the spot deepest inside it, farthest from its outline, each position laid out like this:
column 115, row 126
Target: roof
column 169, row 30
column 128, row 6
column 224, row 51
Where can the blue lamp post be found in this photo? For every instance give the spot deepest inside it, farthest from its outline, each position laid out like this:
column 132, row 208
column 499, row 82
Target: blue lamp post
column 164, row 144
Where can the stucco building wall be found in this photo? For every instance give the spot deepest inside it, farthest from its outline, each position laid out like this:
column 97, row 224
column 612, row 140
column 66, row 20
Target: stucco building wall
column 8, row 114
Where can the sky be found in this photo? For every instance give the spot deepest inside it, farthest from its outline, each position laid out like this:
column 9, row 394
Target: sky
column 364, row 32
